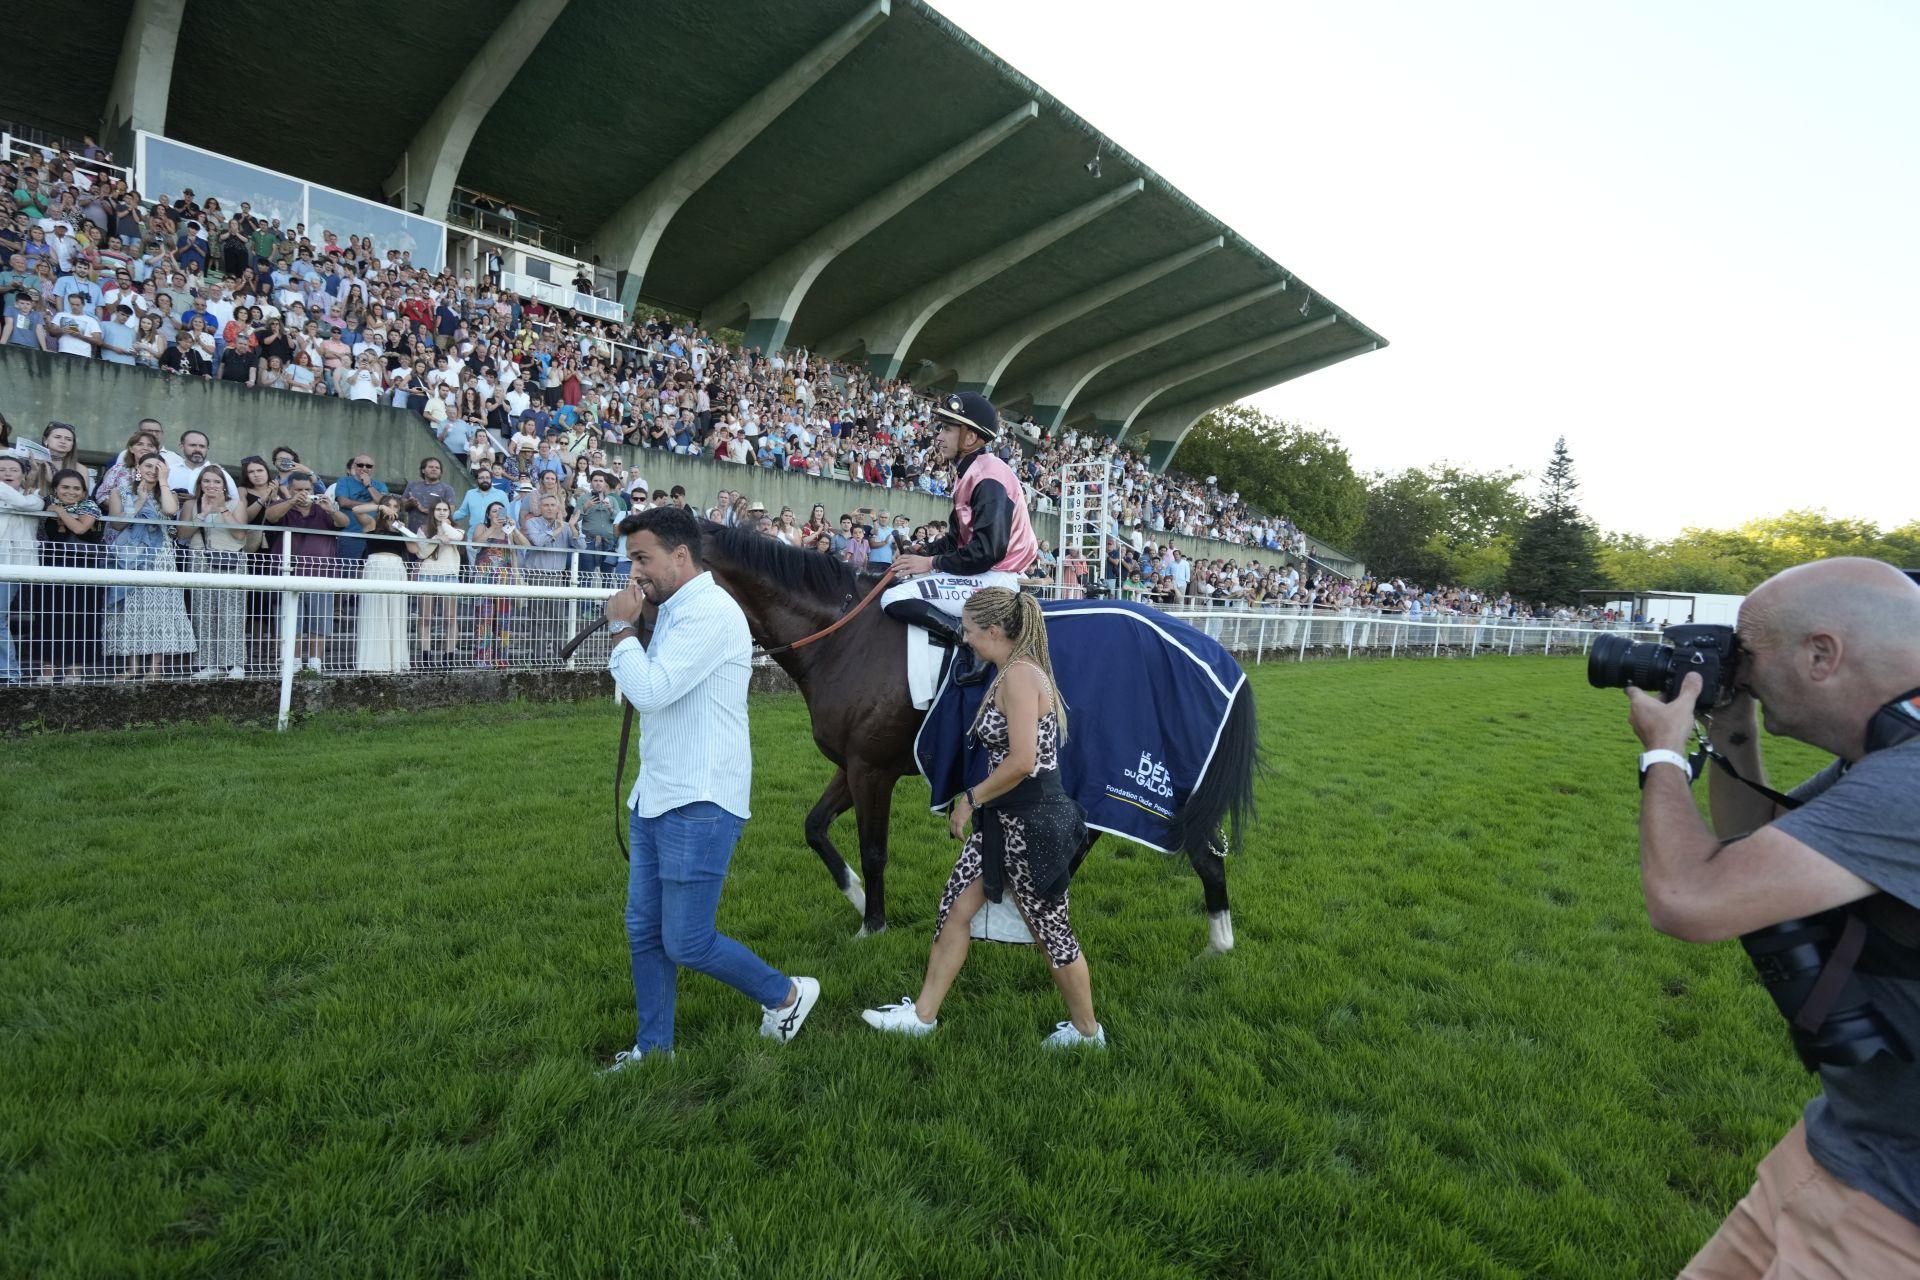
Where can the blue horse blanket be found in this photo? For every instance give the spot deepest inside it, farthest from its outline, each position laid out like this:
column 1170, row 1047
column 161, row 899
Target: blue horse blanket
column 1147, row 697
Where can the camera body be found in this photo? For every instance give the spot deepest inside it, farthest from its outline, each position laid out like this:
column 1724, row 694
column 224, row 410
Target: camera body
column 1711, row 651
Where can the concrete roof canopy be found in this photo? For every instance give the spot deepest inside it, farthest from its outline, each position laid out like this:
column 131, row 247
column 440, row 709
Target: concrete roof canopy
column 858, row 176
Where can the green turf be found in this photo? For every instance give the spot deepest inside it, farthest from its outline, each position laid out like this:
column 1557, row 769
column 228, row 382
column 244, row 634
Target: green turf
column 329, row 1004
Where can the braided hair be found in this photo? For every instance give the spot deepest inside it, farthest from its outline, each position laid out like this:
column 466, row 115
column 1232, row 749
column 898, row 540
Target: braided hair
column 1018, row 614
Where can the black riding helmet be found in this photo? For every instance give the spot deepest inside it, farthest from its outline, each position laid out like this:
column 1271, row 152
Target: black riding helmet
column 972, row 411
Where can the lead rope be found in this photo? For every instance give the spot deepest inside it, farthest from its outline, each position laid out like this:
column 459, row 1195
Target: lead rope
column 885, row 580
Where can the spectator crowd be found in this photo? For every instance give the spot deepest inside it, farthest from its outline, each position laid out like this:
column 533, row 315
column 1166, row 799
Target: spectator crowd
column 537, row 402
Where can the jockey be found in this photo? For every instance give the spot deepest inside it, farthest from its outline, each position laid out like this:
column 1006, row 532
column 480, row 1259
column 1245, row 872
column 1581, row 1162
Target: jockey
column 989, row 538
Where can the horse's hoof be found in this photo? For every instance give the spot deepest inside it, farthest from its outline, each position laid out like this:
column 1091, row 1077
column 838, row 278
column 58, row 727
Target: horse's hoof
column 856, row 893
column 868, row 933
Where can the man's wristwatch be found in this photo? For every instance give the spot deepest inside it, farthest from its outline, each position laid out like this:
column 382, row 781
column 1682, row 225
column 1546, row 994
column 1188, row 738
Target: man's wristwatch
column 621, row 624
column 1649, row 759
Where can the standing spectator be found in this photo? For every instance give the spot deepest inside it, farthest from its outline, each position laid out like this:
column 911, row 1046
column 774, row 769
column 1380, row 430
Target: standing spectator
column 207, row 529
column 24, row 327
column 494, row 561
column 358, row 494
column 420, row 495
column 183, row 476
column 74, row 330
column 314, row 517
column 20, row 508
column 550, row 540
column 68, row 614
column 486, row 493
column 595, row 523
column 380, row 638
column 440, row 563
column 117, row 336
column 145, row 622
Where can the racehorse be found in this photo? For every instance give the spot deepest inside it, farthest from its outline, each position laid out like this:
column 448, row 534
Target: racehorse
column 864, row 721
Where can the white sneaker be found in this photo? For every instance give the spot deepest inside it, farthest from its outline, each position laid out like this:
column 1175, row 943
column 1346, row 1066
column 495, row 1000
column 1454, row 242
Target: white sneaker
column 1067, row 1036
column 205, row 673
column 628, row 1057
column 902, row 1017
column 236, row 673
column 784, row 1024
column 309, row 664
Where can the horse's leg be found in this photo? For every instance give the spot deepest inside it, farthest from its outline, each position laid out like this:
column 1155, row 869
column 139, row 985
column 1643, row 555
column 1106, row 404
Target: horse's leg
column 872, row 809
column 833, row 802
column 1212, row 870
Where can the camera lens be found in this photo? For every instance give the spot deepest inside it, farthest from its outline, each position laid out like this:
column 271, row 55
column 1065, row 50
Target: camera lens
column 1614, row 662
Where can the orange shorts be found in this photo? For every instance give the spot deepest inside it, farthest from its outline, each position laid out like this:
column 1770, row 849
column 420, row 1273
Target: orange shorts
column 1799, row 1222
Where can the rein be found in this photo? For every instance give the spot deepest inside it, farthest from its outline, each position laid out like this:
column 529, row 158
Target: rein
column 886, row 579
column 626, row 719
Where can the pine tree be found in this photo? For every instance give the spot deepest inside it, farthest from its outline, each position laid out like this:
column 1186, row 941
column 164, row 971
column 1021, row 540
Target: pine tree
column 1555, row 556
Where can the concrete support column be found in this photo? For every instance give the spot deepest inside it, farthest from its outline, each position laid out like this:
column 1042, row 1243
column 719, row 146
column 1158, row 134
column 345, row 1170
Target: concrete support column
column 1055, row 389
column 772, row 295
column 431, row 164
column 979, row 365
column 143, row 76
column 628, row 239
column 888, row 333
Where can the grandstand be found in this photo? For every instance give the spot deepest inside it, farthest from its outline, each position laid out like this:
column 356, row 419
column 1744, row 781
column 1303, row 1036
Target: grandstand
column 1107, row 299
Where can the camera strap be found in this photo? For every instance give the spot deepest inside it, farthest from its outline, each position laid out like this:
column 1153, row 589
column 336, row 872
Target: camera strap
column 1706, row 751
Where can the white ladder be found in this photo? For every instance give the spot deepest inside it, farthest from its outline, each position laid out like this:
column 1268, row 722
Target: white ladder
column 1086, row 513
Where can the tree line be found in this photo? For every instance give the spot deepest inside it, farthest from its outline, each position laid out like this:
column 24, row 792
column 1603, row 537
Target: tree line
column 1451, row 525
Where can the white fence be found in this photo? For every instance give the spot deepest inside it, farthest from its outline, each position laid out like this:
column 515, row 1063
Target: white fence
column 91, row 614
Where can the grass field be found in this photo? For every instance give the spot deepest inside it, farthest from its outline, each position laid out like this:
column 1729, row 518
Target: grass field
column 329, row 1004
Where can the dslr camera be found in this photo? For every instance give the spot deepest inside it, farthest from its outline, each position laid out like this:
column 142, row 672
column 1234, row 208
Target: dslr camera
column 1615, row 662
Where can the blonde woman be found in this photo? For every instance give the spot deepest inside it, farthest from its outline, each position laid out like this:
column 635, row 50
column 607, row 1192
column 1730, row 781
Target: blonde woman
column 440, row 563
column 1026, row 828
column 207, row 533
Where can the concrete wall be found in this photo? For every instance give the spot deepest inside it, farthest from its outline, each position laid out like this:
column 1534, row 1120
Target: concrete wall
column 105, row 401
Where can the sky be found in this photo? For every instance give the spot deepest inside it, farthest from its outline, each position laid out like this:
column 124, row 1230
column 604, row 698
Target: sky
column 1685, row 235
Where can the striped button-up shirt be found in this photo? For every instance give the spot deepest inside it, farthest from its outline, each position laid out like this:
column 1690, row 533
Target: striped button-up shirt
column 690, row 688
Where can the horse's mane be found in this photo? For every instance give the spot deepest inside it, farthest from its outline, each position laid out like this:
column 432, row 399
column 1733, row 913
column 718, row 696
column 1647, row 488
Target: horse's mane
column 794, row 568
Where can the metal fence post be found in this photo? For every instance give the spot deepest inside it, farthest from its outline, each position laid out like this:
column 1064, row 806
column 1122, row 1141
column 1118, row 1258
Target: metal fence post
column 1260, row 643
column 573, row 606
column 1306, row 626
column 1513, row 634
column 289, row 627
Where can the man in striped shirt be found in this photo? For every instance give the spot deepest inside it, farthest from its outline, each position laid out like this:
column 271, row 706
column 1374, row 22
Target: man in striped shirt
column 689, row 687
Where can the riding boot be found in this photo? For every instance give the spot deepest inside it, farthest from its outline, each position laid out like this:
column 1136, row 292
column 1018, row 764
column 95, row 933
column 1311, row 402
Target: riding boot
column 969, row 670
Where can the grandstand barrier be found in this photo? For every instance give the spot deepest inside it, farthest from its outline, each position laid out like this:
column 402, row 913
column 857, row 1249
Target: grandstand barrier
column 271, row 616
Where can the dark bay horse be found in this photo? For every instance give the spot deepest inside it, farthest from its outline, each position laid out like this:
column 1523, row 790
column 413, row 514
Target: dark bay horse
column 855, row 686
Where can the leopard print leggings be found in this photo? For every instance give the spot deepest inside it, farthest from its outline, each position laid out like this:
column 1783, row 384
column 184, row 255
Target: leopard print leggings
column 1047, row 920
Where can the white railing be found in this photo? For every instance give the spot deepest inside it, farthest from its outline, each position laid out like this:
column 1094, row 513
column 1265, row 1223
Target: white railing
column 561, row 295
column 17, row 148
column 1294, row 634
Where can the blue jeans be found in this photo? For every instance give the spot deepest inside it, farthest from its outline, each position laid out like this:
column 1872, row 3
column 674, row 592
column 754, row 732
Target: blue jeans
column 677, row 864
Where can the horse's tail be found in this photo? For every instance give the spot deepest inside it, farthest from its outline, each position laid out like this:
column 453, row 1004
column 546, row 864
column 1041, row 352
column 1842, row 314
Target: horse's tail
column 1225, row 795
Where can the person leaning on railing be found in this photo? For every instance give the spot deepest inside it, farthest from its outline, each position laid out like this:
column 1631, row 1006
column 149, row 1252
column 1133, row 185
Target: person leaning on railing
column 67, row 615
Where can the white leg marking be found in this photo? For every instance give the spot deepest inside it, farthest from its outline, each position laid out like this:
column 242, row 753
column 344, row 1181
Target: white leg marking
column 1220, row 931
column 856, row 892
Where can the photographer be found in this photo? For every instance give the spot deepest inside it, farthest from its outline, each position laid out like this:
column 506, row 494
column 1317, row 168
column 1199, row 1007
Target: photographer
column 1831, row 650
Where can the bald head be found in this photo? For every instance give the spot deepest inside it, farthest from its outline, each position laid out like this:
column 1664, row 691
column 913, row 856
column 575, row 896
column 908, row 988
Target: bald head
column 1871, row 607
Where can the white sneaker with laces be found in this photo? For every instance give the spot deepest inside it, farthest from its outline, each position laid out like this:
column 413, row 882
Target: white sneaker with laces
column 1067, row 1036
column 628, row 1057
column 902, row 1017
column 236, row 673
column 784, row 1024
column 204, row 673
